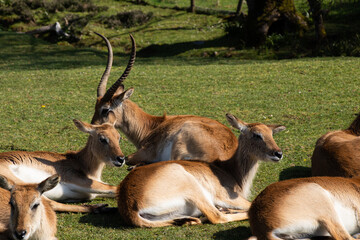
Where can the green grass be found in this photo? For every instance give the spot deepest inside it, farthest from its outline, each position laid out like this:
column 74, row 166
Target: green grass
column 44, row 86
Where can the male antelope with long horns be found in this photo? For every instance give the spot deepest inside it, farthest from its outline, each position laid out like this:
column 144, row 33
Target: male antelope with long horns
column 160, row 138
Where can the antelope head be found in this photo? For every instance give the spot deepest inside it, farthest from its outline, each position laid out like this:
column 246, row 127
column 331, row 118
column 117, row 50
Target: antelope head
column 112, row 99
column 27, row 209
column 104, row 140
column 259, row 139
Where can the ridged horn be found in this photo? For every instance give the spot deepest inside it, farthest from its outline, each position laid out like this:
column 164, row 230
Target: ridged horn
column 111, row 91
column 104, row 79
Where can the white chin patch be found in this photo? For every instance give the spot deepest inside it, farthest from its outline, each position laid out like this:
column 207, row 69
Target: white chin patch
column 273, row 158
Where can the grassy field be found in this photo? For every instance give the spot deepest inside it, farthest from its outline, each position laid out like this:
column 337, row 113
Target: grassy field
column 43, row 87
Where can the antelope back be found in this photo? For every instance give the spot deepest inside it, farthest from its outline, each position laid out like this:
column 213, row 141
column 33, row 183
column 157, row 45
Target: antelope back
column 337, row 153
column 305, row 207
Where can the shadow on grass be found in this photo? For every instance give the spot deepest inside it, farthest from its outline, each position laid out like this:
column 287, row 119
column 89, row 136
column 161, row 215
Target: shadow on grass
column 112, row 220
column 235, row 233
column 169, row 50
column 24, row 52
column 105, row 220
column 295, row 172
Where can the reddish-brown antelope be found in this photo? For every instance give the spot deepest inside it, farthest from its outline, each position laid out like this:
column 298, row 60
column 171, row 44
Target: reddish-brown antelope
column 160, row 138
column 306, row 208
column 80, row 171
column 24, row 212
column 337, row 153
column 178, row 192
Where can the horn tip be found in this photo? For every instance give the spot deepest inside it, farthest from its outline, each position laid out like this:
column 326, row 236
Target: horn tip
column 132, row 38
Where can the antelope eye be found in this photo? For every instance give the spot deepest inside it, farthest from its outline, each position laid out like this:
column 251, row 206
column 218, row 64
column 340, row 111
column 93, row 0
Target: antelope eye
column 105, row 111
column 104, row 140
column 35, row 206
column 258, row 136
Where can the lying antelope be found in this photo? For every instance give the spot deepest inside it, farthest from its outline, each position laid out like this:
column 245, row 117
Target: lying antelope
column 337, row 153
column 25, row 213
column 178, row 192
column 80, row 171
column 306, row 208
column 160, row 138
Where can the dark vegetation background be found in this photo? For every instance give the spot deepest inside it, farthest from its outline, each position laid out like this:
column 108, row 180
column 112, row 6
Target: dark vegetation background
column 226, row 30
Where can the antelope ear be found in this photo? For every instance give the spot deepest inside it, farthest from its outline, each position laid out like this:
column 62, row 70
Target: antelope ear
column 236, row 123
column 49, row 183
column 111, row 118
column 277, row 128
column 83, row 126
column 128, row 93
column 119, row 98
column 4, row 183
column 119, row 90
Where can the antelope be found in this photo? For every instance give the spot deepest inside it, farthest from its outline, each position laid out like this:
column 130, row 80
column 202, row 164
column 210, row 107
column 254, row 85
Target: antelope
column 80, row 171
column 24, row 212
column 306, row 208
column 160, row 138
column 178, row 192
column 337, row 153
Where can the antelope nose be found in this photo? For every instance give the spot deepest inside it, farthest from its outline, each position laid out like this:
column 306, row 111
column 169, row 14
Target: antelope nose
column 278, row 154
column 20, row 234
column 120, row 161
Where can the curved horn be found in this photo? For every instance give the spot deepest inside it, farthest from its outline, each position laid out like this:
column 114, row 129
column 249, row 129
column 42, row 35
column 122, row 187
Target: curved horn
column 110, row 92
column 102, row 84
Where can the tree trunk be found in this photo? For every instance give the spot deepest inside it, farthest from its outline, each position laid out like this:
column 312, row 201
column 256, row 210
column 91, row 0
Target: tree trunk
column 192, row 6
column 315, row 7
column 262, row 14
column 56, row 28
column 239, row 6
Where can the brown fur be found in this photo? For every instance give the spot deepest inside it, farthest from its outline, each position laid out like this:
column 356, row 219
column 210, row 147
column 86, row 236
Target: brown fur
column 82, row 168
column 337, row 153
column 192, row 137
column 289, row 203
column 36, row 223
column 147, row 194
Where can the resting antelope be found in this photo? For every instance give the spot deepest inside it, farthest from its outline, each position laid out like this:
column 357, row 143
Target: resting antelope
column 80, row 171
column 160, row 138
column 306, row 208
column 178, row 192
column 337, row 153
column 24, row 212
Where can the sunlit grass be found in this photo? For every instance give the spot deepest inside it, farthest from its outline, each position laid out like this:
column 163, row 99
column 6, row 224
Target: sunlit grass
column 43, row 87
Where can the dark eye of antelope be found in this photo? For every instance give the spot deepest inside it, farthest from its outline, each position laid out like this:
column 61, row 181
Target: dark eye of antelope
column 257, row 136
column 104, row 140
column 105, row 112
column 35, row 206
